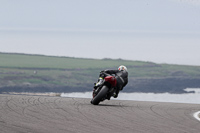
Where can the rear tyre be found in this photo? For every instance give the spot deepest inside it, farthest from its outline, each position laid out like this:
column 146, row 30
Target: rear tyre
column 97, row 99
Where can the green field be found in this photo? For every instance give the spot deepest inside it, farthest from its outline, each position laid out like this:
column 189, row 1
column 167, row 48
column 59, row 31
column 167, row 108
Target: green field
column 49, row 71
column 40, row 61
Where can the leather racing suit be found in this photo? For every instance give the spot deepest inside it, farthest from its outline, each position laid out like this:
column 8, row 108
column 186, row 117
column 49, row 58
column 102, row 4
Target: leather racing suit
column 121, row 77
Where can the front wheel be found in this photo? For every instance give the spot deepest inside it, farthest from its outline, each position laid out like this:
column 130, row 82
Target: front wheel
column 96, row 100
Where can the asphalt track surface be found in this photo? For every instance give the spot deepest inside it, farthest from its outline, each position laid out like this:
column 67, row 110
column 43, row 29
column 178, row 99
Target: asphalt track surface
column 42, row 114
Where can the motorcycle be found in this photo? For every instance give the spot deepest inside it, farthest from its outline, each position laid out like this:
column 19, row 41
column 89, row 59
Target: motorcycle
column 105, row 90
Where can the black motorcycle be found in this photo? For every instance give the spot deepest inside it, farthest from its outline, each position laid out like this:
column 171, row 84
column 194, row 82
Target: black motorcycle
column 105, row 90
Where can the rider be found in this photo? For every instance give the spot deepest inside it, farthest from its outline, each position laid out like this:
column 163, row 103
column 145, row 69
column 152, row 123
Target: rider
column 121, row 76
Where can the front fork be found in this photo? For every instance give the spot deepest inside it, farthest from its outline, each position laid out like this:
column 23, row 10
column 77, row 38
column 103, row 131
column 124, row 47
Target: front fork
column 95, row 91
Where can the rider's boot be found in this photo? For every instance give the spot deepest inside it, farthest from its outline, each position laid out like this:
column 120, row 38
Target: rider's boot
column 115, row 94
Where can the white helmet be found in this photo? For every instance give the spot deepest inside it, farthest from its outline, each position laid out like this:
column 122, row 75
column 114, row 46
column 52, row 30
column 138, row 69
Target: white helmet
column 122, row 68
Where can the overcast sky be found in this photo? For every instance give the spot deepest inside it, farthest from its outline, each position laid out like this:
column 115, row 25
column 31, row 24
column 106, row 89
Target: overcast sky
column 162, row 31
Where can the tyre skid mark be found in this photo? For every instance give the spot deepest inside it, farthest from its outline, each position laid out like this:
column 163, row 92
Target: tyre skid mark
column 56, row 114
column 165, row 118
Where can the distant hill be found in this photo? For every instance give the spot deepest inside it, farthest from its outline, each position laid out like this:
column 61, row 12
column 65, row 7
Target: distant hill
column 39, row 73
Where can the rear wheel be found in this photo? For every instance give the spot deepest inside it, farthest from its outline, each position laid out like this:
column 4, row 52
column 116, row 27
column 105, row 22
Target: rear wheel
column 96, row 100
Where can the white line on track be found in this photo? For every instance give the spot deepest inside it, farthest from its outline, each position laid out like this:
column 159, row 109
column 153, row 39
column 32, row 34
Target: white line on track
column 197, row 115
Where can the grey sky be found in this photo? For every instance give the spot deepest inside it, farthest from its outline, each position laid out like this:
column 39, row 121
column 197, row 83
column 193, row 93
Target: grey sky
column 163, row 31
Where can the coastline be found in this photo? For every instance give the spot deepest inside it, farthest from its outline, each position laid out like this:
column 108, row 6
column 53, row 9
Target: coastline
column 37, row 94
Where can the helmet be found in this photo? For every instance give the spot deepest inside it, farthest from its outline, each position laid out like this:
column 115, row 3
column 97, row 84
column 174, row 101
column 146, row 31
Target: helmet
column 122, row 68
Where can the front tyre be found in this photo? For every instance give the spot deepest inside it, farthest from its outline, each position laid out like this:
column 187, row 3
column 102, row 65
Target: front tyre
column 96, row 100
